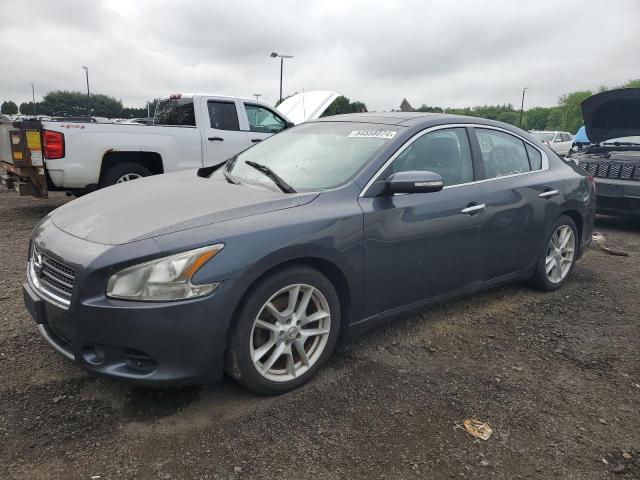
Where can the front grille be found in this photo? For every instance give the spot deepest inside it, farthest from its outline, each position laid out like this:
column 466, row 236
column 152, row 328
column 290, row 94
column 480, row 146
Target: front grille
column 53, row 276
column 627, row 170
column 602, row 170
column 612, row 170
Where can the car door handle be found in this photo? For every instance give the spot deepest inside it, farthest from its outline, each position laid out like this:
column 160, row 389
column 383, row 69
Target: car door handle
column 549, row 194
column 215, row 139
column 473, row 209
column 256, row 140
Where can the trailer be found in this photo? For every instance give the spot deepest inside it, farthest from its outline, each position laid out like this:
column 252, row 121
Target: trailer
column 21, row 158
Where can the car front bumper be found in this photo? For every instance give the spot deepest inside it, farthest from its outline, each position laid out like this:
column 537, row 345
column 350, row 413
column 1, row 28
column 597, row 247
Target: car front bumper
column 161, row 344
column 618, row 197
column 148, row 343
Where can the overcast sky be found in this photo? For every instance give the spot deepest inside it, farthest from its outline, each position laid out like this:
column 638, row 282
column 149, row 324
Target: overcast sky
column 446, row 53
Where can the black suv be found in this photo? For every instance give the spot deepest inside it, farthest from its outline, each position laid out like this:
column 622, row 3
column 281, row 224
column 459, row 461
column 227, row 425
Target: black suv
column 612, row 122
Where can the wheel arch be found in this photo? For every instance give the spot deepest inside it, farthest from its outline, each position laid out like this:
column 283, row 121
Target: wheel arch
column 577, row 219
column 151, row 160
column 325, row 266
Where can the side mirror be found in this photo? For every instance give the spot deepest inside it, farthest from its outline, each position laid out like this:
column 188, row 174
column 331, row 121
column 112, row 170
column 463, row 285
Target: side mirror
column 413, row 182
column 289, row 124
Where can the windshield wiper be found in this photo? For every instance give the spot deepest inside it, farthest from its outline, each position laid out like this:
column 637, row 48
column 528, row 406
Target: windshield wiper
column 273, row 176
column 229, row 178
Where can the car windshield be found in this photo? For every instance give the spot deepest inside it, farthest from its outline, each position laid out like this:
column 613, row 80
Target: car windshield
column 544, row 136
column 312, row 156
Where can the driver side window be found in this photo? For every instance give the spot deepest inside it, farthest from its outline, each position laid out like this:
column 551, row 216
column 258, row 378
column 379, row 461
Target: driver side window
column 262, row 120
column 445, row 152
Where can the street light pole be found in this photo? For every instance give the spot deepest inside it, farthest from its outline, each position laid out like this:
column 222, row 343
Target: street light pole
column 86, row 71
column 281, row 57
column 257, row 95
column 522, row 106
column 33, row 98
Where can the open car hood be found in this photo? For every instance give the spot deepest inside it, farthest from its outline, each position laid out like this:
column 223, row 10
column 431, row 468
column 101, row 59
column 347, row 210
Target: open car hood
column 306, row 106
column 612, row 114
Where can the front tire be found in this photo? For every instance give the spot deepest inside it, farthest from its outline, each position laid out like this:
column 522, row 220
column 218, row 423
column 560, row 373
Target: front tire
column 557, row 257
column 285, row 331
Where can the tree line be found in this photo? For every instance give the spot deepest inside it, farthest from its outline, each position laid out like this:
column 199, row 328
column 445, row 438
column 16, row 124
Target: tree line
column 62, row 103
column 566, row 115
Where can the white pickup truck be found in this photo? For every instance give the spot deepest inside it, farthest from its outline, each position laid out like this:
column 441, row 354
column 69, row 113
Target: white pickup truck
column 189, row 131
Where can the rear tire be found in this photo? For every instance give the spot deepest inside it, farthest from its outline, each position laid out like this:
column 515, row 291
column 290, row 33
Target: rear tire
column 123, row 172
column 557, row 256
column 275, row 344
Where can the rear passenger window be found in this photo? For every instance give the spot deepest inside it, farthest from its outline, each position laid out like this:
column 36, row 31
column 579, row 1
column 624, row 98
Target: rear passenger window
column 502, row 154
column 535, row 157
column 223, row 115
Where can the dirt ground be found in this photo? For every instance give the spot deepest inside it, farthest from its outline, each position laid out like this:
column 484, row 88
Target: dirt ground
column 555, row 375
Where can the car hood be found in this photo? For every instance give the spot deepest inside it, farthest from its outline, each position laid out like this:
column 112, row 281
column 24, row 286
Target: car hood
column 306, row 106
column 612, row 114
column 164, row 204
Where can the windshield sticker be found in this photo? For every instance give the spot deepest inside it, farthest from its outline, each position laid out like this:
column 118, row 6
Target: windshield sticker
column 387, row 134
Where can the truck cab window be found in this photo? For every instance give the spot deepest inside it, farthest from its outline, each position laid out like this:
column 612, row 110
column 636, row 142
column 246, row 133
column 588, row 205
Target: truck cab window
column 223, row 115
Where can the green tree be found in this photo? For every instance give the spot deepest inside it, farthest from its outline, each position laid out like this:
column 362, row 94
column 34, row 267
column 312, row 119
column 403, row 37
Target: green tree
column 555, row 119
column 428, row 109
column 343, row 105
column 572, row 110
column 536, row 118
column 30, row 108
column 632, row 84
column 9, row 108
column 65, row 103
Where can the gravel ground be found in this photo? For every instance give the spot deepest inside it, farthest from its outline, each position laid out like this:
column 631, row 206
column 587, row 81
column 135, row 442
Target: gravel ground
column 555, row 375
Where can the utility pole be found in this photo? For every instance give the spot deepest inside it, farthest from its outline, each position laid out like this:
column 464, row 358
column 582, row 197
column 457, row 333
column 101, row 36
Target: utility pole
column 522, row 106
column 257, row 95
column 33, row 98
column 86, row 71
column 281, row 57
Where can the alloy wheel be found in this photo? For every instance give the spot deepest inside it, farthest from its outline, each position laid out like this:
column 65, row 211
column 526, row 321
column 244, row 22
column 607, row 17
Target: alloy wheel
column 560, row 254
column 290, row 332
column 128, row 177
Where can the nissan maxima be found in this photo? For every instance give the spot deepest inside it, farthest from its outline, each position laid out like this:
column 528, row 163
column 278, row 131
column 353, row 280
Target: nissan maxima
column 258, row 266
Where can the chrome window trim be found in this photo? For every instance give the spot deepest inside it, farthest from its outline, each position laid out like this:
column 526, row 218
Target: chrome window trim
column 374, row 178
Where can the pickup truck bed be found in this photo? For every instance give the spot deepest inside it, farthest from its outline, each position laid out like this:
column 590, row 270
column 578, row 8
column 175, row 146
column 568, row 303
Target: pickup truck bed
column 189, row 131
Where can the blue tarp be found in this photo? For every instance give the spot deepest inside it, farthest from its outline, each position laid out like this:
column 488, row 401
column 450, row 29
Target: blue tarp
column 581, row 136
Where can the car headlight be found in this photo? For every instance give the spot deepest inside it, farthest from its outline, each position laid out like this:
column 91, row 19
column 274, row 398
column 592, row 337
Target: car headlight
column 164, row 279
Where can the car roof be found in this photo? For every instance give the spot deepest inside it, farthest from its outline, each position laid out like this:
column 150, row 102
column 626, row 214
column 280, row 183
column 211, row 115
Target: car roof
column 410, row 119
column 549, row 131
column 194, row 95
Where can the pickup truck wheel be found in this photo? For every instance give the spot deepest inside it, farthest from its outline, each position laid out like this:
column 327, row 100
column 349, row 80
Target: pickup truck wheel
column 124, row 172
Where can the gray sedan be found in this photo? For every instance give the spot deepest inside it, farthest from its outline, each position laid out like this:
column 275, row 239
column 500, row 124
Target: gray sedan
column 260, row 265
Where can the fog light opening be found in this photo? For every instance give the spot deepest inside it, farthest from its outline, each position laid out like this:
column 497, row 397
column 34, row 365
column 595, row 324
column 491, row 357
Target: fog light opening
column 93, row 355
column 140, row 361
